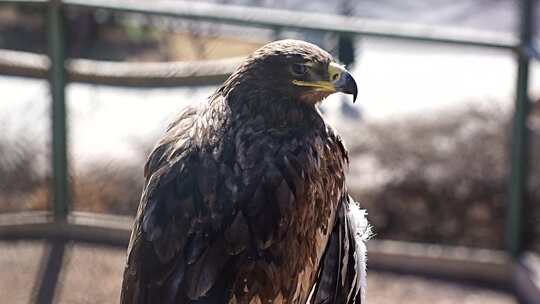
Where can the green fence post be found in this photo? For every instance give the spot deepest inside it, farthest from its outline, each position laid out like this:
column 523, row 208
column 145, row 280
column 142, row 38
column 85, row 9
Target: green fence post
column 520, row 136
column 57, row 83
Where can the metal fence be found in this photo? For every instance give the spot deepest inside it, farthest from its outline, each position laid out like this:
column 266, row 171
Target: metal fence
column 65, row 225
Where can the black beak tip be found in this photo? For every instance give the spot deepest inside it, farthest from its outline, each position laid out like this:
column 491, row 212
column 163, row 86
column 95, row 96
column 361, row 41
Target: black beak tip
column 354, row 89
column 346, row 84
column 351, row 87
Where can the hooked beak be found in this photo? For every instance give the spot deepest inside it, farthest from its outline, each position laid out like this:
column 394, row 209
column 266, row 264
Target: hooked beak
column 340, row 80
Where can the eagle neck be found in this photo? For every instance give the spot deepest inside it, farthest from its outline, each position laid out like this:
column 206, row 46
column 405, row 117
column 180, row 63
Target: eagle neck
column 272, row 110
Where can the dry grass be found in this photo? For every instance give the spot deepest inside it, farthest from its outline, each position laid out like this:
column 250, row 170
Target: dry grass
column 108, row 189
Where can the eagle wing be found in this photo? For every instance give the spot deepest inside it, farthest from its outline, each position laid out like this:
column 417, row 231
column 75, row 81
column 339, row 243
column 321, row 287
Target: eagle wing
column 203, row 214
column 175, row 254
column 342, row 272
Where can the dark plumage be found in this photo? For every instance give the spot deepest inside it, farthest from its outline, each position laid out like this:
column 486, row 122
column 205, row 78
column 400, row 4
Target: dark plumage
column 245, row 198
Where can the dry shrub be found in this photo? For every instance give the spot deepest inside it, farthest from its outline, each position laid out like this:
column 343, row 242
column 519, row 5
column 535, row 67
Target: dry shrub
column 23, row 179
column 108, row 188
column 444, row 177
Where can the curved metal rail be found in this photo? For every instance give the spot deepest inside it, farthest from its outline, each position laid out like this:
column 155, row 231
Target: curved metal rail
column 127, row 74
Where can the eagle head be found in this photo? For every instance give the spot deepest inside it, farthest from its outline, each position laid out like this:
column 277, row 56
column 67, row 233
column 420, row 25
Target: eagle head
column 296, row 70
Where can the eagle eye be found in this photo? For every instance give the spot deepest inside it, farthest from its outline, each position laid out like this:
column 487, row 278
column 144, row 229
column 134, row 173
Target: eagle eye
column 298, row 69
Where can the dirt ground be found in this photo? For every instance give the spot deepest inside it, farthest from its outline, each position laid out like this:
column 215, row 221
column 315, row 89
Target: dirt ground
column 92, row 274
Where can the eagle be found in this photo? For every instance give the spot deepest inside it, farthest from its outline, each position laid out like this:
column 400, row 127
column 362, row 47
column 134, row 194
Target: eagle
column 245, row 200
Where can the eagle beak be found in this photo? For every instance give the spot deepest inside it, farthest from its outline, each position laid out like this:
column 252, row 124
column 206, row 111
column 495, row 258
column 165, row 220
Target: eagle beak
column 339, row 80
column 342, row 80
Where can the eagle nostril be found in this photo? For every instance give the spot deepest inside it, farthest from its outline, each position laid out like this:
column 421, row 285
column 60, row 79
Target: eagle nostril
column 335, row 77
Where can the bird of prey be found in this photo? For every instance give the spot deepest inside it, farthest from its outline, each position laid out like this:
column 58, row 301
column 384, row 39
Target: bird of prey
column 245, row 198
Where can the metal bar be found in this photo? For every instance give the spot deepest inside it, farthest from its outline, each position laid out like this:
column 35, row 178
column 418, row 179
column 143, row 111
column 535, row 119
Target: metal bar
column 48, row 277
column 273, row 18
column 24, row 2
column 520, row 136
column 24, row 64
column 482, row 266
column 128, row 74
column 79, row 227
column 67, row 232
column 58, row 110
column 152, row 74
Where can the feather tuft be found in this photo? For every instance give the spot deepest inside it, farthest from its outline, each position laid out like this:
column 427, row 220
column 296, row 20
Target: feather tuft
column 361, row 231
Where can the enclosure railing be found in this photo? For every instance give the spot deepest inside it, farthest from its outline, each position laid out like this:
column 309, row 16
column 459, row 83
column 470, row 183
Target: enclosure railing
column 59, row 70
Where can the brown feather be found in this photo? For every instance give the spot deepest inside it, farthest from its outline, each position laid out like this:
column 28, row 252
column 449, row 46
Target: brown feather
column 242, row 196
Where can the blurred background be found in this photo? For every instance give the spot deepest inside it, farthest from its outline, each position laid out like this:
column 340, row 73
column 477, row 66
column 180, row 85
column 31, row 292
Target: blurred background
column 444, row 139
